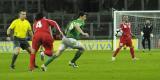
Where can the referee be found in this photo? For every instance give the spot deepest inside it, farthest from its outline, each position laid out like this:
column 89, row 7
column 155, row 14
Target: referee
column 146, row 33
column 21, row 27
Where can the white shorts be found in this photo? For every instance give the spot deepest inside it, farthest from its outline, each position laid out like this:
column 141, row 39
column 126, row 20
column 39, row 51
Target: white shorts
column 71, row 43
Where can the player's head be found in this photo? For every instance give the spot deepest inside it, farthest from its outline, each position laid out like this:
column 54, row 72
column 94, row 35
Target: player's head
column 147, row 21
column 125, row 18
column 39, row 16
column 82, row 15
column 22, row 14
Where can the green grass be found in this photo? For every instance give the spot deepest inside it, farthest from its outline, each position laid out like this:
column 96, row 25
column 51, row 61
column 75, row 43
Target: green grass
column 93, row 65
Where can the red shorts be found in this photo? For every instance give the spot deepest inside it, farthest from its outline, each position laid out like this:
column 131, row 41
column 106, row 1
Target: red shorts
column 44, row 39
column 125, row 41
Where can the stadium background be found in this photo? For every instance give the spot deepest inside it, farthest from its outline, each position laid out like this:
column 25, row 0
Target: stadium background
column 99, row 22
column 94, row 64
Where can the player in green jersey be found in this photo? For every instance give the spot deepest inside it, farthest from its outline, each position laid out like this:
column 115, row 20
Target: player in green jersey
column 73, row 31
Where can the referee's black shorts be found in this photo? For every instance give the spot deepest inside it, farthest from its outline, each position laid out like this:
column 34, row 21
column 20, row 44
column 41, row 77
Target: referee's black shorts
column 20, row 42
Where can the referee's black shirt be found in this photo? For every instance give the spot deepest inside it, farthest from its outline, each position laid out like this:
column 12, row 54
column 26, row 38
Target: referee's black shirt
column 147, row 30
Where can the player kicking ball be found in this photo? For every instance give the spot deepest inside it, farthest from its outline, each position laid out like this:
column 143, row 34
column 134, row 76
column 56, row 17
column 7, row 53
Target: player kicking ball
column 125, row 38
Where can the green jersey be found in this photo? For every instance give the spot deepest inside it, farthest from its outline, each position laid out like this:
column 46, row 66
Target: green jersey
column 71, row 30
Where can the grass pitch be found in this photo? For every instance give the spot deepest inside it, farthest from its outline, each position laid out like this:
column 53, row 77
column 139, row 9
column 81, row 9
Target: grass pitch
column 93, row 65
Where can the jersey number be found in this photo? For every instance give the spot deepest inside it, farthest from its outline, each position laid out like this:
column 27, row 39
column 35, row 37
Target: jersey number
column 39, row 24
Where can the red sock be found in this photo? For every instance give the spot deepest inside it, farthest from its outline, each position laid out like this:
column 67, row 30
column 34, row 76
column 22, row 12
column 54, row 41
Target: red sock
column 32, row 60
column 116, row 52
column 132, row 52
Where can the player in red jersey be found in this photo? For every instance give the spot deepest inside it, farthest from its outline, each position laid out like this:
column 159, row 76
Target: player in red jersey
column 126, row 38
column 43, row 36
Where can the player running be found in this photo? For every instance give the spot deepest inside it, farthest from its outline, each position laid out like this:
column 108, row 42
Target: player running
column 43, row 36
column 126, row 38
column 73, row 32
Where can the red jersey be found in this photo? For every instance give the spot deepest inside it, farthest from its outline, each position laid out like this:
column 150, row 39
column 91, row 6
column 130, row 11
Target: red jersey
column 126, row 28
column 44, row 25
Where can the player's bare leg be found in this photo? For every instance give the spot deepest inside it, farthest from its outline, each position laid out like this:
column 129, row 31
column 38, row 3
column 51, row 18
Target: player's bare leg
column 50, row 59
column 32, row 59
column 14, row 57
column 29, row 51
column 116, row 52
column 76, row 57
column 143, row 44
column 132, row 53
column 42, row 53
column 53, row 57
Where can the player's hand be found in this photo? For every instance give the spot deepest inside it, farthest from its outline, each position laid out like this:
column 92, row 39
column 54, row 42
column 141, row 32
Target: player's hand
column 86, row 34
column 142, row 33
column 8, row 38
column 151, row 35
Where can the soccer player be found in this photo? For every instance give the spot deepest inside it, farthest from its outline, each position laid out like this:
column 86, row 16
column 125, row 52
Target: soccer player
column 21, row 27
column 126, row 38
column 147, row 34
column 73, row 32
column 43, row 36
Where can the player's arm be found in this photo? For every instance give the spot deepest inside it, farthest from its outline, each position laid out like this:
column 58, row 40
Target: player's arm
column 11, row 27
column 8, row 34
column 119, row 31
column 142, row 31
column 54, row 24
column 151, row 31
column 132, row 35
column 30, row 30
column 30, row 33
column 81, row 31
column 9, row 30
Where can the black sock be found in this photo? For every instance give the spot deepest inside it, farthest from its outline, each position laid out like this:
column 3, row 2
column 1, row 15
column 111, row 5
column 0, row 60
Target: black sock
column 143, row 44
column 77, row 55
column 149, row 44
column 14, row 57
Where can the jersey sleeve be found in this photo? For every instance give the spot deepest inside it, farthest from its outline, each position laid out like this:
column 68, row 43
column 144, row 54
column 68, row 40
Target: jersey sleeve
column 33, row 27
column 130, row 28
column 29, row 26
column 13, row 24
column 77, row 24
column 53, row 24
column 151, row 29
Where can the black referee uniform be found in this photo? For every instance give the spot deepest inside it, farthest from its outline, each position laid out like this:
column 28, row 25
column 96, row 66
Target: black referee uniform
column 147, row 30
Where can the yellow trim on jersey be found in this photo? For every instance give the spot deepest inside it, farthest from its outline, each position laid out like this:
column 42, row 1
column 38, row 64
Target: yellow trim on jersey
column 20, row 28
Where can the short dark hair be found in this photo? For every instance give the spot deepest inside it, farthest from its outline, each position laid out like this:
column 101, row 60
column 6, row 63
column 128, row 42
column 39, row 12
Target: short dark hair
column 39, row 16
column 81, row 14
column 22, row 10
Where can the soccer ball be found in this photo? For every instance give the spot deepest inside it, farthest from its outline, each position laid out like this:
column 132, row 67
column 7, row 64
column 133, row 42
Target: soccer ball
column 119, row 33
